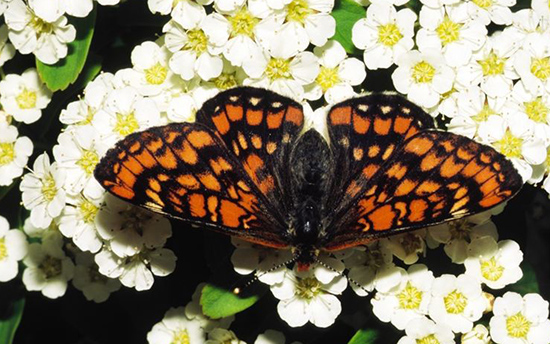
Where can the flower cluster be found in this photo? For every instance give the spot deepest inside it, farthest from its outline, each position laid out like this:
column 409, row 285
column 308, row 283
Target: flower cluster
column 490, row 85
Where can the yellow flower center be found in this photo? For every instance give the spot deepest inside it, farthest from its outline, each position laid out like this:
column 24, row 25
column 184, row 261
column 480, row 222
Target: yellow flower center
column 40, row 26
column 410, row 297
column 298, row 10
column 484, row 114
column 389, row 34
column 509, row 145
column 485, row 4
column 88, row 210
column 448, row 31
column 3, row 249
column 156, row 74
column 196, row 41
column 49, row 190
column 26, row 99
column 181, row 337
column 541, row 67
column 225, row 81
column 491, row 270
column 537, row 110
column 51, row 267
column 455, row 302
column 125, row 124
column 7, row 153
column 429, row 339
column 87, row 161
column 518, row 326
column 243, row 23
column 492, row 65
column 327, row 77
column 308, row 288
column 278, row 69
column 423, row 72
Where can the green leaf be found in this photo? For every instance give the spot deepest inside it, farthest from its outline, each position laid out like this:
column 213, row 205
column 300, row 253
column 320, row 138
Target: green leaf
column 364, row 336
column 60, row 75
column 528, row 283
column 346, row 13
column 9, row 325
column 219, row 303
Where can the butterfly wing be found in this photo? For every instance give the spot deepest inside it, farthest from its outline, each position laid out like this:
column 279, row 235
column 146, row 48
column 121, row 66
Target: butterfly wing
column 210, row 173
column 259, row 127
column 429, row 177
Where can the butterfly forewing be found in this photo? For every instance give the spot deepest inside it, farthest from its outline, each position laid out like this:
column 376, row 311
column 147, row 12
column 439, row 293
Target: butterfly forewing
column 432, row 177
column 185, row 171
column 259, row 127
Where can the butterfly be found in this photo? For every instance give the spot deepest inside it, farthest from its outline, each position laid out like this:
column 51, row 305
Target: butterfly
column 246, row 167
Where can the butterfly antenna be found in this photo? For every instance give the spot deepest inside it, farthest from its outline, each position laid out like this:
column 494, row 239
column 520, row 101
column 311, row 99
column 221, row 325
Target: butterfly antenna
column 238, row 290
column 350, row 280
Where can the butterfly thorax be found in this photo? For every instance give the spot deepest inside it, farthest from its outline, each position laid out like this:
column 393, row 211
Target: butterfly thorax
column 310, row 162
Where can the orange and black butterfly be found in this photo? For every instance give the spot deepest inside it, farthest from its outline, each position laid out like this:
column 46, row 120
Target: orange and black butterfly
column 247, row 169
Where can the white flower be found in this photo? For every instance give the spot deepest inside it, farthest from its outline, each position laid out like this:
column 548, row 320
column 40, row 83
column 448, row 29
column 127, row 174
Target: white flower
column 42, row 191
column 471, row 110
column 87, row 279
column 51, row 11
column 532, row 63
column 437, row 3
column 196, row 50
column 337, row 74
column 305, row 298
column 222, row 336
column 478, row 335
column 535, row 106
column 193, row 311
column 451, row 30
column 24, row 96
column 286, row 76
column 406, row 301
column 7, row 50
column 137, row 271
column 423, row 76
column 423, row 331
column 78, row 152
column 13, row 247
column 248, row 258
column 48, row 268
column 365, row 264
column 494, row 264
column 77, row 220
column 175, row 327
column 541, row 8
column 31, row 34
column 456, row 235
column 513, row 136
column 457, row 302
column 82, row 112
column 407, row 246
column 271, row 337
column 129, row 229
column 491, row 66
column 150, row 74
column 125, row 112
column 520, row 320
column 36, row 232
column 384, row 34
column 14, row 153
column 497, row 11
column 306, row 21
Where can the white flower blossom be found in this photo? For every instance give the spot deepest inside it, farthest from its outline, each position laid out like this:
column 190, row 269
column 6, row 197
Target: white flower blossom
column 478, row 335
column 423, row 330
column 223, row 336
column 42, row 191
column 176, row 327
column 520, row 320
column 385, row 34
column 14, row 153
column 7, row 50
column 13, row 248
column 24, row 96
column 496, row 11
column 87, row 279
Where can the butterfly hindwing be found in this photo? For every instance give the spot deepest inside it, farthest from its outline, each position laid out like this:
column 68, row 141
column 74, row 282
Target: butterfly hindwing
column 433, row 177
column 186, row 172
column 259, row 127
